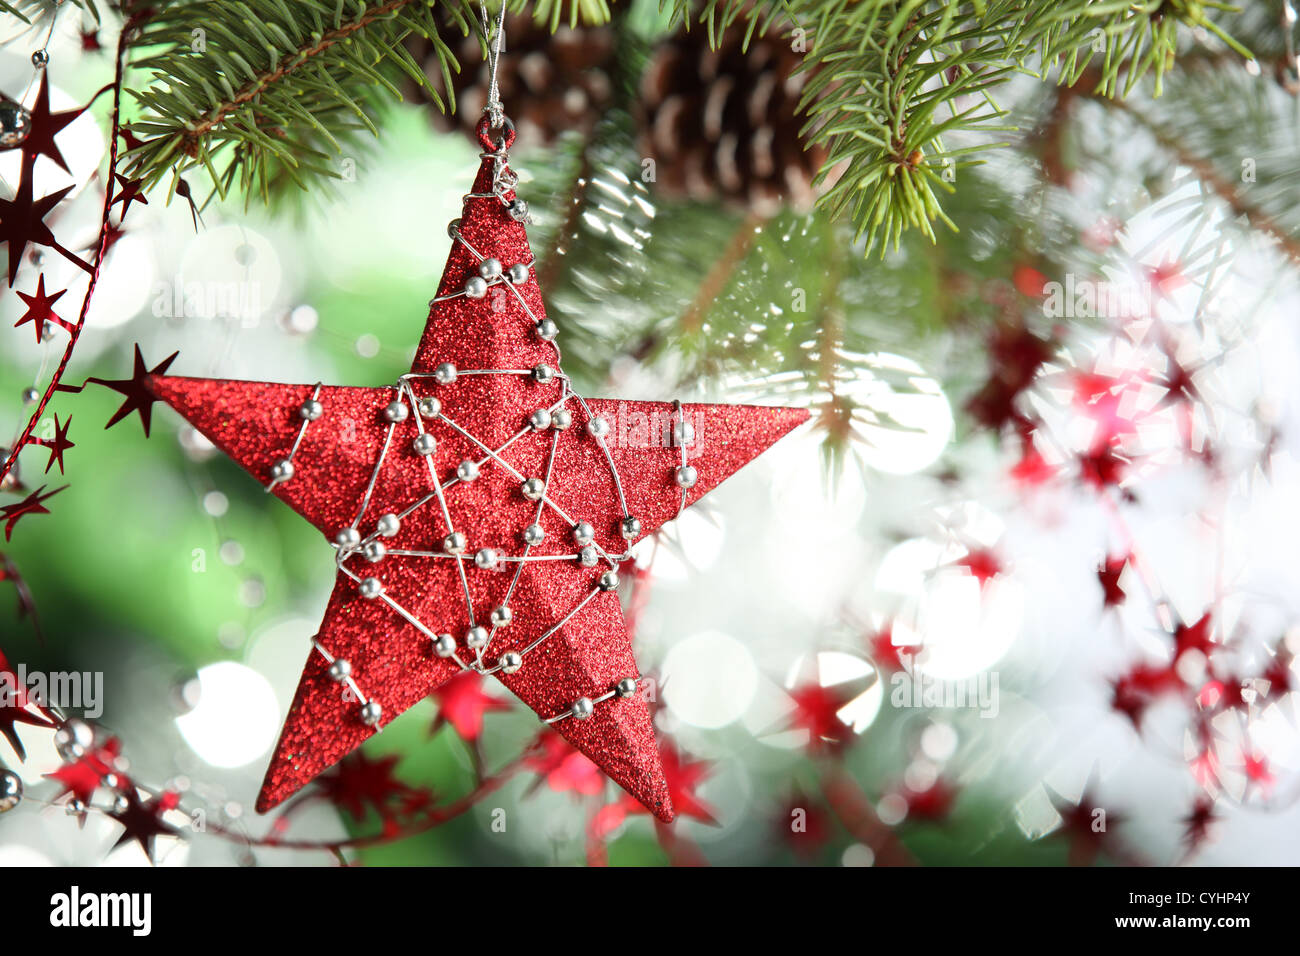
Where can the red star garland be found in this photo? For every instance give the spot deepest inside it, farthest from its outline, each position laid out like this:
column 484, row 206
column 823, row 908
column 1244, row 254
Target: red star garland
column 479, row 509
column 40, row 308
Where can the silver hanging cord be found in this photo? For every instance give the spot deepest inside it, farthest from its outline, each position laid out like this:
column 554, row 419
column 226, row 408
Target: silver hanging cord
column 494, row 110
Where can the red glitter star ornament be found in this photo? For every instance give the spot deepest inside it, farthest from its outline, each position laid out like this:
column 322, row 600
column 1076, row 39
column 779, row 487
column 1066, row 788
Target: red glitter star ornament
column 479, row 510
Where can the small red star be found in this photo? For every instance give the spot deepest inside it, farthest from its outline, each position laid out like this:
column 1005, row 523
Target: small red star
column 357, row 783
column 1197, row 823
column 1032, row 469
column 1133, row 692
column 1102, row 467
column 26, row 603
column 57, row 445
column 1278, row 673
column 139, row 398
column 142, row 820
column 983, row 563
column 563, row 767
column 885, row 653
column 1167, row 276
column 1179, row 383
column 1108, row 574
column 14, row 710
column 22, row 220
column 90, row 41
column 803, row 825
column 132, row 191
column 83, row 776
column 462, row 703
column 44, row 127
column 40, row 308
column 1193, row 637
column 31, row 505
column 1085, row 825
column 817, row 711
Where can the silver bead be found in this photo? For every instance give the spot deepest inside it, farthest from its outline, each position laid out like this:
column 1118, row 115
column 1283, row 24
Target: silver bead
column 476, row 287
column 502, row 616
column 348, row 538
column 30, row 396
column 583, row 708
column 74, row 807
column 41, row 59
column 534, row 534
column 370, row 588
column 533, row 489
column 311, row 410
column 543, row 373
column 626, row 688
column 444, row 645
column 510, row 662
column 340, row 670
column 453, row 228
column 467, row 470
column 388, row 525
column 547, row 330
column 371, row 712
column 374, row 551
column 608, row 581
column 430, row 407
column 395, row 411
column 424, row 444
column 73, row 739
column 630, row 527
column 517, row 273
column 687, row 476
column 476, row 638
column 598, row 427
column 588, row 557
column 489, row 268
column 486, row 559
column 683, row 433
column 518, row 210
column 282, row 470
column 445, row 373
column 455, row 543
column 540, row 420
column 561, row 419
column 11, row 790
column 584, row 533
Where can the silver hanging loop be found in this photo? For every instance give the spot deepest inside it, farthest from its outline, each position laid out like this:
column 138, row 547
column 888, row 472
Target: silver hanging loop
column 494, row 43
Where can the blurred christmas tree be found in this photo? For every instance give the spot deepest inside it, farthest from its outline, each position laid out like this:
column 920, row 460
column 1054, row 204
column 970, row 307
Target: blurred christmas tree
column 734, row 200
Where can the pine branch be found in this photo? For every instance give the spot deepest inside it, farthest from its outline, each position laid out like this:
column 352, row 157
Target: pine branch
column 260, row 94
column 891, row 80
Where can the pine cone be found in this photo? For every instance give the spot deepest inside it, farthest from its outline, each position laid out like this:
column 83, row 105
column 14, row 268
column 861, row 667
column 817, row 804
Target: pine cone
column 549, row 83
column 725, row 123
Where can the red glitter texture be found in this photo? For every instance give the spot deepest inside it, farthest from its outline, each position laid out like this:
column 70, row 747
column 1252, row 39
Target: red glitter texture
column 392, row 662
